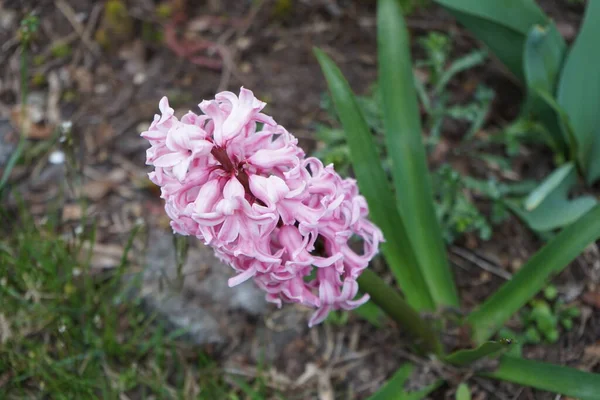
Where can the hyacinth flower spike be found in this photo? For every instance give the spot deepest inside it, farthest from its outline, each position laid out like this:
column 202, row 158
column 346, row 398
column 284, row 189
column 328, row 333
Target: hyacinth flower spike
column 271, row 213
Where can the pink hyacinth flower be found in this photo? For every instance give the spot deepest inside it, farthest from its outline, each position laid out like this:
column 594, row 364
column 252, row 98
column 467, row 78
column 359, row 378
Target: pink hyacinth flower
column 275, row 216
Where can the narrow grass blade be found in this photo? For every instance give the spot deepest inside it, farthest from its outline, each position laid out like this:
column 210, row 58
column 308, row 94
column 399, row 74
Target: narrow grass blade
column 374, row 185
column 247, row 389
column 554, row 378
column 10, row 165
column 405, row 146
column 534, row 275
column 487, row 349
column 578, row 91
column 464, row 63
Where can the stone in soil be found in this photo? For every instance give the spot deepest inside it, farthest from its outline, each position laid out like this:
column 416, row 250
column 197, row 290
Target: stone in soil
column 197, row 298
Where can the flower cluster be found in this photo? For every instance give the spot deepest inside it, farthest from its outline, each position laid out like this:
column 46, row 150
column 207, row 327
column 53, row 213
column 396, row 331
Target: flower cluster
column 237, row 180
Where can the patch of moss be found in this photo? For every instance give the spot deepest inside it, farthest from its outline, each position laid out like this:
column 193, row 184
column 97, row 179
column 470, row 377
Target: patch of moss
column 164, row 10
column 282, row 8
column 116, row 24
column 60, row 50
column 39, row 60
column 102, row 38
column 69, row 96
column 38, row 80
column 151, row 33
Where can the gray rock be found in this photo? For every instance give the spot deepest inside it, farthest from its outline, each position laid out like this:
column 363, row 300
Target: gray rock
column 196, row 298
column 36, row 107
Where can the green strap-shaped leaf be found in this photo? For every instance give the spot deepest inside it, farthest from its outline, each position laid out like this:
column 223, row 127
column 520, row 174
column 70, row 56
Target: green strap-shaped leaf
column 543, row 59
column 487, row 349
column 534, row 275
column 554, row 378
column 518, row 15
column 540, row 208
column 404, row 141
column 422, row 393
column 579, row 92
column 394, row 388
column 374, row 185
column 548, row 186
column 463, row 392
column 564, row 121
column 501, row 24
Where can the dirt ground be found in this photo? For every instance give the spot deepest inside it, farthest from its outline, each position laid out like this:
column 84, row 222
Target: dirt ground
column 109, row 84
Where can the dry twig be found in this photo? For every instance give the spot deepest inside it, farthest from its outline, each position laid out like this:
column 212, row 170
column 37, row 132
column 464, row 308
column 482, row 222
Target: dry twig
column 70, row 15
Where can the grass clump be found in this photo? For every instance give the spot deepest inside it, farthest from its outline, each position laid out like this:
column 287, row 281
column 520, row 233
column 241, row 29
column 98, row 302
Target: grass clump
column 67, row 332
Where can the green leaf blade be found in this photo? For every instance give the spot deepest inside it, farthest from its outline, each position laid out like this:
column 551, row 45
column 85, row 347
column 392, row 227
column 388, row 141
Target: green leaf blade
column 487, row 349
column 554, row 378
column 394, row 387
column 463, row 392
column 374, row 185
column 578, row 92
column 501, row 25
column 540, row 207
column 405, row 145
column 518, row 15
column 534, row 275
column 549, row 185
column 543, row 59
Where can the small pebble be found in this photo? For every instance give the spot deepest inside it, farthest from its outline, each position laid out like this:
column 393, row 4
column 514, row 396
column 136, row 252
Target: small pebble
column 57, row 157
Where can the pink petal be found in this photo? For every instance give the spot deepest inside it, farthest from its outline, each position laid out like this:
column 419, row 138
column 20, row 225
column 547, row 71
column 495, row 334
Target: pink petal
column 321, row 262
column 168, row 160
column 233, row 188
column 230, row 229
column 180, row 170
column 270, row 158
column 153, row 134
column 352, row 304
column 164, row 108
column 209, row 219
column 270, row 190
column 319, row 316
column 208, row 196
column 241, row 278
column 349, row 289
column 211, row 108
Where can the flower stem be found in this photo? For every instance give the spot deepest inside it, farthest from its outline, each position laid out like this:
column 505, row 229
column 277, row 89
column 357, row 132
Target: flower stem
column 400, row 311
